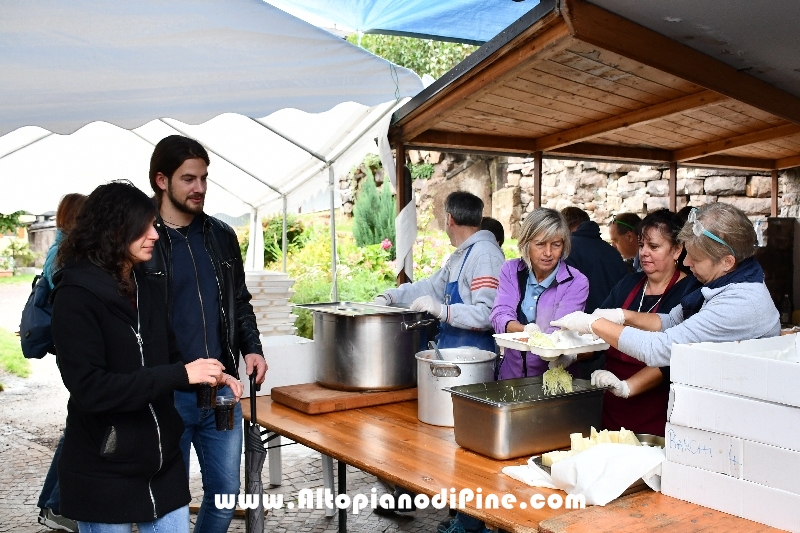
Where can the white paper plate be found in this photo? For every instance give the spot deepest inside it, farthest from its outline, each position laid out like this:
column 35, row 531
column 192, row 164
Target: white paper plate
column 509, row 340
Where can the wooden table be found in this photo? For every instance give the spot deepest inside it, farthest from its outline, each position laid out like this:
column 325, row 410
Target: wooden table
column 389, row 442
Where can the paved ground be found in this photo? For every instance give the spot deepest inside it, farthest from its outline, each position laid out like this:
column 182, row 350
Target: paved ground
column 32, row 413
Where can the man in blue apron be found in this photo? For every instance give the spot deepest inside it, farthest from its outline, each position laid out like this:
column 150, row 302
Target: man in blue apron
column 461, row 294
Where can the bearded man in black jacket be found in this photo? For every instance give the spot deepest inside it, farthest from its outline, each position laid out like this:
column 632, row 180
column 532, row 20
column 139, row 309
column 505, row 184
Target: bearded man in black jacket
column 198, row 263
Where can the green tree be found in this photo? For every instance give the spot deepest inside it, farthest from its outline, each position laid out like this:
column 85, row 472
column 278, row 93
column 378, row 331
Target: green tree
column 373, row 215
column 423, row 56
column 10, row 222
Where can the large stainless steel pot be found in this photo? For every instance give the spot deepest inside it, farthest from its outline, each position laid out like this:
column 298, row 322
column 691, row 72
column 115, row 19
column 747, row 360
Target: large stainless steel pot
column 461, row 366
column 359, row 346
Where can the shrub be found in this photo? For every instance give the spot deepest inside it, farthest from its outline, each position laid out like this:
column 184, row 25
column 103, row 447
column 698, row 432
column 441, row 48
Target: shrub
column 273, row 236
column 373, row 215
column 423, row 171
column 20, row 252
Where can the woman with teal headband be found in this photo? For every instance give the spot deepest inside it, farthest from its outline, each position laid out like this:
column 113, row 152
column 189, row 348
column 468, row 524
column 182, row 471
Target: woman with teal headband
column 730, row 303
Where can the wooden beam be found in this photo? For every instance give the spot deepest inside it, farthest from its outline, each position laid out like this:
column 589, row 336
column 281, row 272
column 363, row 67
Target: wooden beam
column 400, row 171
column 454, row 140
column 713, row 147
column 626, row 120
column 595, row 25
column 787, row 162
column 548, row 34
column 537, row 179
column 673, row 186
column 774, row 194
column 730, row 161
column 610, row 151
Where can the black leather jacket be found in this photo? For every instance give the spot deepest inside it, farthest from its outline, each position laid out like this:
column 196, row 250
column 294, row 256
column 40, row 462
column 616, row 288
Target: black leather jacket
column 238, row 323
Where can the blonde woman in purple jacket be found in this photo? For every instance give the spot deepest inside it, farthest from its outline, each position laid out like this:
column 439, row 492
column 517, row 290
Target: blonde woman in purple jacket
column 537, row 288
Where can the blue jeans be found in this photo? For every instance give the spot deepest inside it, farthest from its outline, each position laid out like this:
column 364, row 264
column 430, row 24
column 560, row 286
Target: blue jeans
column 219, row 454
column 51, row 496
column 176, row 521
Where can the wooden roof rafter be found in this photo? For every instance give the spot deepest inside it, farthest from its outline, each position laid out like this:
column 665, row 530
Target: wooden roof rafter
column 571, row 79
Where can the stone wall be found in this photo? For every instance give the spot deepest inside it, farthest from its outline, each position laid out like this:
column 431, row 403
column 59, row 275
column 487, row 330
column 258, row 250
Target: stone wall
column 602, row 189
column 605, row 189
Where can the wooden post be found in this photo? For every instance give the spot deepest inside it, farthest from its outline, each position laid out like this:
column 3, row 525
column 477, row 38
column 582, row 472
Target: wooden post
column 402, row 200
column 537, row 179
column 774, row 210
column 673, row 186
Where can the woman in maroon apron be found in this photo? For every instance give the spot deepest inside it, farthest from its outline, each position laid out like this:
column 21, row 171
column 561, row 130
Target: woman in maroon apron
column 637, row 399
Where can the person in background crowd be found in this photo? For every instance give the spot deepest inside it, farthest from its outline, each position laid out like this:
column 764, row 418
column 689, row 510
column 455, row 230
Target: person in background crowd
column 49, row 508
column 638, row 394
column 600, row 263
column 684, row 213
column 494, row 225
column 121, row 461
column 733, row 303
column 623, row 236
column 198, row 265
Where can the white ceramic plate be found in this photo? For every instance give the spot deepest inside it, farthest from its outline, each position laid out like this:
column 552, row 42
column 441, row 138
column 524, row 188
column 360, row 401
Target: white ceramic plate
column 511, row 340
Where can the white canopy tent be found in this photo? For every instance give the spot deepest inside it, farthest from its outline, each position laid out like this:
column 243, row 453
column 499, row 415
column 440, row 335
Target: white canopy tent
column 63, row 66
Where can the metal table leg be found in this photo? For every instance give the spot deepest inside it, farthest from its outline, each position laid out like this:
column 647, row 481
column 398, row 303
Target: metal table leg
column 275, row 463
column 327, row 481
column 342, row 490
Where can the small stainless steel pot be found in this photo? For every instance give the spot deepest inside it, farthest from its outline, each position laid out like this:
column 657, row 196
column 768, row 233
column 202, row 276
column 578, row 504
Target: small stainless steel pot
column 461, row 366
column 360, row 346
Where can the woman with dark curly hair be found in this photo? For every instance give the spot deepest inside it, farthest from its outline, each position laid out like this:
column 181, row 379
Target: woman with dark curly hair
column 121, row 461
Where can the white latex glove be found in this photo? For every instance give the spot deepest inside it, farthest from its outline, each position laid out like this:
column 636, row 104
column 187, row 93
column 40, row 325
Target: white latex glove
column 604, row 378
column 577, row 321
column 563, row 360
column 429, row 305
column 532, row 328
column 617, row 316
column 381, row 300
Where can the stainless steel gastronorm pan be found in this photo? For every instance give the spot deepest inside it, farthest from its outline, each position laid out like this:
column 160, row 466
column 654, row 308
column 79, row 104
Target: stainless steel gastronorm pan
column 513, row 418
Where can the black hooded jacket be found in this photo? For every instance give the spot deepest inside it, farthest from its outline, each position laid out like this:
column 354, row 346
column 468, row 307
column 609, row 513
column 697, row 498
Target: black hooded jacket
column 121, row 461
column 597, row 260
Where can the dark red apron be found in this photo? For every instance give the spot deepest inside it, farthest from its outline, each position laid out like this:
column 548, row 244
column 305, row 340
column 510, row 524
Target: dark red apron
column 643, row 413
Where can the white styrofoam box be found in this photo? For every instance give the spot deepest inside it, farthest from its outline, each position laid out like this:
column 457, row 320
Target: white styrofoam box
column 774, row 467
column 255, row 284
column 263, row 303
column 290, row 361
column 286, row 315
column 704, row 449
column 256, row 292
column 768, row 369
column 738, row 416
column 271, row 330
column 265, row 274
column 738, row 497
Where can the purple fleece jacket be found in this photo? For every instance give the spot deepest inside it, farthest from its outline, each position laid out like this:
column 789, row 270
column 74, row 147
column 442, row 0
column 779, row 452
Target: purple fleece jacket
column 568, row 293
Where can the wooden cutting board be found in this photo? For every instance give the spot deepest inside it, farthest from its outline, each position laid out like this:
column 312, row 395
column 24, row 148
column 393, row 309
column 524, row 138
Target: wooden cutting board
column 314, row 399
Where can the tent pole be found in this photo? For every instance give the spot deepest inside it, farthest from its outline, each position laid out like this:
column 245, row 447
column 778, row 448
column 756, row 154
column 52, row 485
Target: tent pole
column 285, row 246
column 334, row 288
column 400, row 162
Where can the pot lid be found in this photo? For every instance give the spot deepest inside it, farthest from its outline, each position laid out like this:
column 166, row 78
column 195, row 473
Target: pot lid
column 355, row 309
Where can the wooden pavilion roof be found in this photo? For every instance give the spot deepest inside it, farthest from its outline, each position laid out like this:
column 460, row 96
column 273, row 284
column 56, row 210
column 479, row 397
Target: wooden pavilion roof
column 570, row 79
